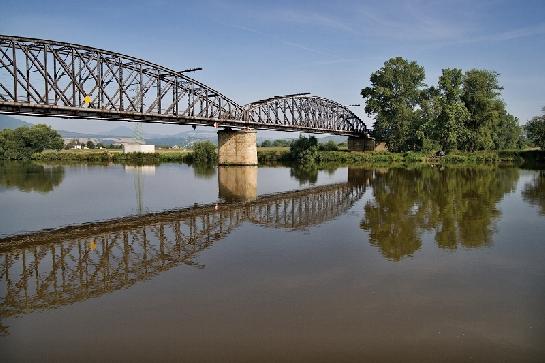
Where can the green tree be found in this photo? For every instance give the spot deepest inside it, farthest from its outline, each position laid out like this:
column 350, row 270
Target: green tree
column 507, row 134
column 22, row 142
column 481, row 96
column 266, row 143
column 90, row 144
column 535, row 130
column 449, row 125
column 304, row 150
column 394, row 94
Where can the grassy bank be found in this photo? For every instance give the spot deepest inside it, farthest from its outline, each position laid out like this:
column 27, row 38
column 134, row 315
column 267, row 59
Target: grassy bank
column 271, row 155
column 115, row 156
column 517, row 157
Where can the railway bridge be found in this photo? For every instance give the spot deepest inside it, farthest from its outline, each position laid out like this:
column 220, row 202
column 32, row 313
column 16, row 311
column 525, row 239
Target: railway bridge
column 56, row 79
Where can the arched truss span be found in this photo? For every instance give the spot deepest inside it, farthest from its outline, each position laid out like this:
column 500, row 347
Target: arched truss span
column 49, row 78
column 304, row 112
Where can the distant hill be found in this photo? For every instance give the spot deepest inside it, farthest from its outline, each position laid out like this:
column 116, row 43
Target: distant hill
column 9, row 122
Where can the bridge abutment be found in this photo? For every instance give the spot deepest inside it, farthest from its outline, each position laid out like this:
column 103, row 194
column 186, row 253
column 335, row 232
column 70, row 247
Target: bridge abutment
column 237, row 147
column 360, row 143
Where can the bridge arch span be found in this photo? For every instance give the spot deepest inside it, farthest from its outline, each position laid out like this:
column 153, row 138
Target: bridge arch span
column 50, row 78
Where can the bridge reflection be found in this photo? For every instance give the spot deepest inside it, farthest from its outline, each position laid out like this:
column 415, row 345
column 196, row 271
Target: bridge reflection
column 457, row 207
column 48, row 269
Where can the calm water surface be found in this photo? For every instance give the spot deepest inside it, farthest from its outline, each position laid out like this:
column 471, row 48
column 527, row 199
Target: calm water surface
column 174, row 263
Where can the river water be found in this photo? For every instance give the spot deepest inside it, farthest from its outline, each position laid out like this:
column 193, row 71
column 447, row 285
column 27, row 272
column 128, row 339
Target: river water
column 175, row 263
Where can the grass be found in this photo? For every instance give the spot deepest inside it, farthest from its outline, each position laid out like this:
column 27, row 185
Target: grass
column 272, row 155
column 116, row 156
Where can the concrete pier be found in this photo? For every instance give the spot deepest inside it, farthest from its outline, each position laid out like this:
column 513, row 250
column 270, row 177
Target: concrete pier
column 237, row 147
column 360, row 144
column 237, row 183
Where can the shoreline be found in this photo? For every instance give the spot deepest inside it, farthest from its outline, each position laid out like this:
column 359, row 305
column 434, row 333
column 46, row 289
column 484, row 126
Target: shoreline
column 267, row 156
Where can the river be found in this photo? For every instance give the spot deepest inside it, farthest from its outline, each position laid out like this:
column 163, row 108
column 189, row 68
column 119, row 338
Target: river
column 176, row 263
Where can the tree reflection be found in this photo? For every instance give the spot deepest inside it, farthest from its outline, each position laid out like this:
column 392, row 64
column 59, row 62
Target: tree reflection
column 305, row 174
column 457, row 204
column 534, row 193
column 30, row 177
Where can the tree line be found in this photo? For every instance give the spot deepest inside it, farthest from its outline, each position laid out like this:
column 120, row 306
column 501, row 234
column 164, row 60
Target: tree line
column 464, row 111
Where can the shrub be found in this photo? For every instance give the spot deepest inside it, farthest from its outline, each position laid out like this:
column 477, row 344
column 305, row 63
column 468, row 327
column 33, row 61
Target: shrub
column 204, row 152
column 329, row 146
column 304, row 150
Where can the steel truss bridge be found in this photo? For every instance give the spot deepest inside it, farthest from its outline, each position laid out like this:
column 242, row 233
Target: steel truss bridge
column 49, row 78
column 52, row 268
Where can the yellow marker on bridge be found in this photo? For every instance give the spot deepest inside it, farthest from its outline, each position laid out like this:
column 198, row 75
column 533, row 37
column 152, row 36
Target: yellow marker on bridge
column 87, row 100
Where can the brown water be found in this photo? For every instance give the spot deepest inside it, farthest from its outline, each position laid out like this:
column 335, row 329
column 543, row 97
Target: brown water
column 271, row 264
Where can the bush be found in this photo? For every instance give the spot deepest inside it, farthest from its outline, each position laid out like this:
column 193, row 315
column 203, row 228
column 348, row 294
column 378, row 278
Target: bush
column 329, row 146
column 204, row 152
column 304, row 150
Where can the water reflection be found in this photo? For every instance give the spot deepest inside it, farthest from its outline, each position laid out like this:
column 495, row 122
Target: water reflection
column 204, row 171
column 305, row 175
column 237, row 183
column 139, row 171
column 52, row 268
column 457, row 204
column 534, row 192
column 30, row 177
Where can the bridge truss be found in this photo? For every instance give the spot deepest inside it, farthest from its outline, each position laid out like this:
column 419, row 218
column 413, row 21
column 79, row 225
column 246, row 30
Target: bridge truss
column 49, row 78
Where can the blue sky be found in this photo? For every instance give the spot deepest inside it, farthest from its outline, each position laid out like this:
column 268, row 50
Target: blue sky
column 256, row 49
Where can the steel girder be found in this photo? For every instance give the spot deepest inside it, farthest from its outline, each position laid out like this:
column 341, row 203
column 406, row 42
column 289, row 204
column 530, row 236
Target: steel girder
column 49, row 78
column 305, row 113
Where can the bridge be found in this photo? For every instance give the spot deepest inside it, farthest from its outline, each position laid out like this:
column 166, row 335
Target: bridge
column 49, row 78
column 52, row 268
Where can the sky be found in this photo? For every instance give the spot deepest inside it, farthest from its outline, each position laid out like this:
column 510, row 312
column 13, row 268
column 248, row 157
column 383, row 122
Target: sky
column 256, row 49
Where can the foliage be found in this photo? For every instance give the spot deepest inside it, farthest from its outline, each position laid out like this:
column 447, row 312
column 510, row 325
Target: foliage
column 204, row 152
column 90, row 144
column 276, row 143
column 304, row 150
column 22, row 142
column 464, row 112
column 448, row 127
column 328, row 146
column 394, row 94
column 535, row 130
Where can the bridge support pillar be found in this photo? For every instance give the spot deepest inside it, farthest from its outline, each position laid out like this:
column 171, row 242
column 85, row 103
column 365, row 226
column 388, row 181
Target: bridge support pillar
column 237, row 147
column 360, row 143
column 237, row 183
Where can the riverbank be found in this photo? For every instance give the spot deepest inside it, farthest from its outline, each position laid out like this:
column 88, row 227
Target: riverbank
column 344, row 157
column 114, row 156
column 281, row 155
